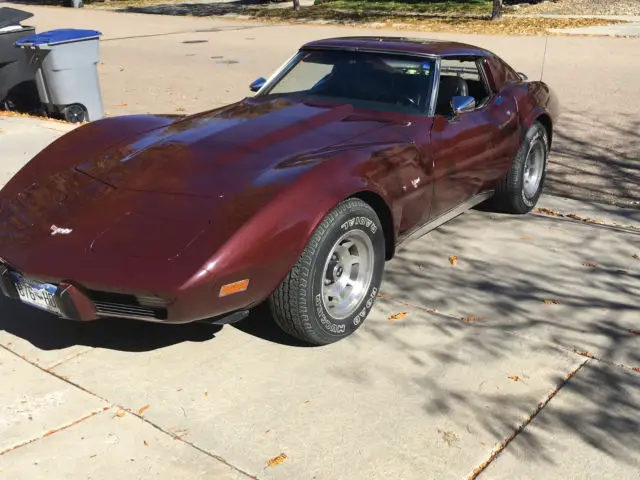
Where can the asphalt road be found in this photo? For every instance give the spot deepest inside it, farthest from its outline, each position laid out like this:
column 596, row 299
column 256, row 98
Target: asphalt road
column 177, row 64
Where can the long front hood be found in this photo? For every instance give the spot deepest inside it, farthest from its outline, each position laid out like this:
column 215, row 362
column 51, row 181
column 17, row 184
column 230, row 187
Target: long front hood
column 222, row 152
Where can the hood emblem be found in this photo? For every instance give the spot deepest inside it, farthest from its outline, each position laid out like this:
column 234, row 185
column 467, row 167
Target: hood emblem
column 60, row 231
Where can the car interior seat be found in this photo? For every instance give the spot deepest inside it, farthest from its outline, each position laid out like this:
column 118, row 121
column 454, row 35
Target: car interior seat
column 450, row 86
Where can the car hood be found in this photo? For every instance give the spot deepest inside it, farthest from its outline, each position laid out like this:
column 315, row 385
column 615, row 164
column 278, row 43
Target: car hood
column 150, row 197
column 219, row 153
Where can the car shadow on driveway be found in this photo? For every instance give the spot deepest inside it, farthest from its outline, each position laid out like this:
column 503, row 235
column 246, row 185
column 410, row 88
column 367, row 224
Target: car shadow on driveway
column 46, row 332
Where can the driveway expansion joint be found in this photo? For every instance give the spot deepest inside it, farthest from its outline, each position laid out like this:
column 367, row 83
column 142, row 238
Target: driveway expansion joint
column 108, row 407
column 55, row 430
column 545, row 401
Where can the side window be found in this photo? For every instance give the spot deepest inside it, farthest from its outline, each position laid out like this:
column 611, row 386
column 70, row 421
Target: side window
column 460, row 77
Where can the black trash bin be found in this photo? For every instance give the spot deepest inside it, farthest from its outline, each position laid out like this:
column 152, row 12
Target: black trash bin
column 18, row 90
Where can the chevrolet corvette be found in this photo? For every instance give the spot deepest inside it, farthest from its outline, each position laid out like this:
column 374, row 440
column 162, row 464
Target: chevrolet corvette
column 295, row 196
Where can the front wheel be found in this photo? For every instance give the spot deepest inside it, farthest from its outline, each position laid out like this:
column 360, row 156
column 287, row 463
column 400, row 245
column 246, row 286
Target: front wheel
column 521, row 188
column 331, row 289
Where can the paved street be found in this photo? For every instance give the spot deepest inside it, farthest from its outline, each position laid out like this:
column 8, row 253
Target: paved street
column 526, row 348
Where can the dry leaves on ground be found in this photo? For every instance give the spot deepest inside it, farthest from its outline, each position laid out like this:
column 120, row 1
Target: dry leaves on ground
column 143, row 409
column 146, row 444
column 277, row 460
column 515, row 378
column 453, row 260
column 636, row 369
column 397, row 316
column 469, row 319
column 551, row 302
column 121, row 413
column 408, row 21
column 589, row 264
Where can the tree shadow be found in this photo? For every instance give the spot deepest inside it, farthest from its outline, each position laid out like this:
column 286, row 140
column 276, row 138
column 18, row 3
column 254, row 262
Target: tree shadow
column 596, row 158
column 233, row 7
column 493, row 300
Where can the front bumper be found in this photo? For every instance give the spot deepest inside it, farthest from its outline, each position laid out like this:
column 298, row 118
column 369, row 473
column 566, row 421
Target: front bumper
column 74, row 302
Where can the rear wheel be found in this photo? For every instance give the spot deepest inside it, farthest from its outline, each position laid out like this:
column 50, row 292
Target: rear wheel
column 331, row 289
column 74, row 113
column 520, row 190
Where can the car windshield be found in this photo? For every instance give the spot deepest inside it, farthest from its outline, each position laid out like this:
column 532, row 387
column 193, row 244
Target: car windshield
column 374, row 81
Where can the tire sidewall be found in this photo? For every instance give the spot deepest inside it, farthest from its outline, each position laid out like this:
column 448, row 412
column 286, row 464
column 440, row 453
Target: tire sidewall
column 535, row 133
column 323, row 323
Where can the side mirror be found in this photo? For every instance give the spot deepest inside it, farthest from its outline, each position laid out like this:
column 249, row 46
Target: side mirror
column 257, row 84
column 462, row 104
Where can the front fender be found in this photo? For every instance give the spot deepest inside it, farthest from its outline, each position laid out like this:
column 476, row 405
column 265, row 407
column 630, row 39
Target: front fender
column 269, row 244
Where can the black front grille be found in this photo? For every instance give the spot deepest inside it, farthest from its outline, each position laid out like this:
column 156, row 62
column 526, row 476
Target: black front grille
column 121, row 305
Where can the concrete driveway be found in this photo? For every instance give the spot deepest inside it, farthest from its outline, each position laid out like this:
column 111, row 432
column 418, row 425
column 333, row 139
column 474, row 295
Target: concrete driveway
column 525, row 347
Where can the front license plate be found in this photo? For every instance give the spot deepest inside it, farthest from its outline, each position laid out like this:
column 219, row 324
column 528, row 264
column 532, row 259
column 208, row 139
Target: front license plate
column 37, row 294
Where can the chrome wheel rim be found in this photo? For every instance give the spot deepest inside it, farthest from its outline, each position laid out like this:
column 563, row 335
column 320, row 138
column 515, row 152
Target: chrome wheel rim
column 533, row 168
column 347, row 274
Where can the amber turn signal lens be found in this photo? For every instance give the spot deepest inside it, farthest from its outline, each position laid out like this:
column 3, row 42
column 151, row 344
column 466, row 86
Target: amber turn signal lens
column 235, row 287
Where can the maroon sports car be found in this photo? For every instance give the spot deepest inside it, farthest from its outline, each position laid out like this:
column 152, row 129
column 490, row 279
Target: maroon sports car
column 296, row 196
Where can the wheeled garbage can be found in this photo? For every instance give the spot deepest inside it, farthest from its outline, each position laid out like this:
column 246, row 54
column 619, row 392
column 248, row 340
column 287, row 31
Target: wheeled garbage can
column 18, row 90
column 65, row 66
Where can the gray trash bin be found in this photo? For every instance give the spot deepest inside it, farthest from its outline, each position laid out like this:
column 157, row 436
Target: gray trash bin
column 65, row 64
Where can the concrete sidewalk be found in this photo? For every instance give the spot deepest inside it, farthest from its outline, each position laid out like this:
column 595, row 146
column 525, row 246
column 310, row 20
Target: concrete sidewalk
column 519, row 359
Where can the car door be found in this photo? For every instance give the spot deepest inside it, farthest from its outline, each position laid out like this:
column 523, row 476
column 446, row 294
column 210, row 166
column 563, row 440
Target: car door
column 466, row 148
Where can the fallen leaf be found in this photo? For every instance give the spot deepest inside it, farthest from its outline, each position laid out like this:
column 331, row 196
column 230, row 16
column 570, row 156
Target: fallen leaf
column 143, row 409
column 547, row 211
column 469, row 319
column 551, row 302
column 527, row 238
column 636, row 369
column 589, row 264
column 276, row 460
column 635, row 332
column 145, row 443
column 267, row 431
column 307, row 401
column 397, row 316
column 515, row 378
column 206, row 394
column 453, row 260
column 179, row 390
column 121, row 413
column 123, row 105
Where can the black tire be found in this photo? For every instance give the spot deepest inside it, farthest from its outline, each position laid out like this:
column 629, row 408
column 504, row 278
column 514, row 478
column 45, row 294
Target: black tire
column 297, row 304
column 74, row 113
column 511, row 195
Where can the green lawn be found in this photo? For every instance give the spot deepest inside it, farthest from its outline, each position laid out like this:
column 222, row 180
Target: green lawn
column 413, row 6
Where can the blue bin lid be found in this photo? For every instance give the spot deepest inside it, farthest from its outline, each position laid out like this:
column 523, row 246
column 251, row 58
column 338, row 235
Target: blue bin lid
column 55, row 37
